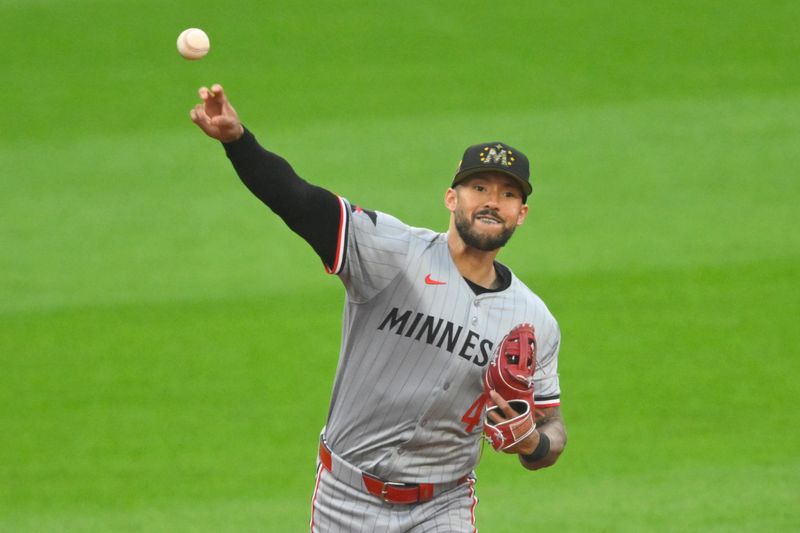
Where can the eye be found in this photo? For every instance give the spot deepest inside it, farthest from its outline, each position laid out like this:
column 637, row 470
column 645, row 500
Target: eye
column 510, row 194
column 479, row 188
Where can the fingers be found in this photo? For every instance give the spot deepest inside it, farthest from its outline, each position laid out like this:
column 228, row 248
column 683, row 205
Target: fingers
column 215, row 91
column 199, row 117
column 215, row 116
column 494, row 417
column 500, row 402
column 218, row 94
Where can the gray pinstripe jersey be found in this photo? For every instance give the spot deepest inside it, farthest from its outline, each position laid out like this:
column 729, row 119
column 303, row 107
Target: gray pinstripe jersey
column 415, row 343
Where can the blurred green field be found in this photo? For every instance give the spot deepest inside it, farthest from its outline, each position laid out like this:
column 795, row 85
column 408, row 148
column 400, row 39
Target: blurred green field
column 151, row 377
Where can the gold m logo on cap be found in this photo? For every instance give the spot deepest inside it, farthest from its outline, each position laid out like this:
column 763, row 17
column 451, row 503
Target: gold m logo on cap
column 497, row 155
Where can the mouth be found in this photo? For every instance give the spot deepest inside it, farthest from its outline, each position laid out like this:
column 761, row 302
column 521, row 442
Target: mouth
column 489, row 220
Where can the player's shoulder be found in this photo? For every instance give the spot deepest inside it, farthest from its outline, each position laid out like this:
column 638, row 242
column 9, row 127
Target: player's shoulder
column 426, row 236
column 385, row 222
column 357, row 214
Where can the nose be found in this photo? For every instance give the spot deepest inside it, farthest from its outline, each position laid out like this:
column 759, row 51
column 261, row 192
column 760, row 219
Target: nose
column 492, row 199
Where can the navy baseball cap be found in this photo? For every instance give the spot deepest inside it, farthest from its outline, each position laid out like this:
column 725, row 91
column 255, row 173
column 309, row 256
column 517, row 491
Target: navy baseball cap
column 496, row 157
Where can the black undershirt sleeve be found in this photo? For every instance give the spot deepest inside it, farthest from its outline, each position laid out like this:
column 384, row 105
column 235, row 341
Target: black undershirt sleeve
column 310, row 211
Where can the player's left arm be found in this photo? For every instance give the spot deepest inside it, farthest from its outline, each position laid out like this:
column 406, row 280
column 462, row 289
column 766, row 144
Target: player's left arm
column 544, row 446
column 550, row 428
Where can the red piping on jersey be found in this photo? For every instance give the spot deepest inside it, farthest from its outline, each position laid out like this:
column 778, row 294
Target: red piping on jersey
column 474, row 503
column 314, row 499
column 337, row 262
column 549, row 403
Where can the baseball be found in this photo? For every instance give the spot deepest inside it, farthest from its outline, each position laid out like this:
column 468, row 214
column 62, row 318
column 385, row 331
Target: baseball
column 193, row 43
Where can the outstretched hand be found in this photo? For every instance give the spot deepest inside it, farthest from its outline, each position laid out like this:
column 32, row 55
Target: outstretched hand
column 216, row 116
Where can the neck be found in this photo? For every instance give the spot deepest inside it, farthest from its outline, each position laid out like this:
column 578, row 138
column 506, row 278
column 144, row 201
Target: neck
column 475, row 265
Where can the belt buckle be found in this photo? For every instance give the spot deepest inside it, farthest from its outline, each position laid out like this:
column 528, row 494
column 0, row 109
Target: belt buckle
column 388, row 484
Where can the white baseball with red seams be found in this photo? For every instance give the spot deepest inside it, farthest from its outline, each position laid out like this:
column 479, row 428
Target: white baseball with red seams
column 193, row 43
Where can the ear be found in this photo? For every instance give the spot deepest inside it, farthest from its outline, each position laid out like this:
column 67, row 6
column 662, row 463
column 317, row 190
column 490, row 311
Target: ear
column 450, row 199
column 523, row 214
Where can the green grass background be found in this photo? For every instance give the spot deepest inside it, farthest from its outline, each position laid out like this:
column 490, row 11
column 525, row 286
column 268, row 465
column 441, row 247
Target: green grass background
column 167, row 346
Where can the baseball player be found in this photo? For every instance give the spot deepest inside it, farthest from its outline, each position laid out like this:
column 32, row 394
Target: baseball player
column 424, row 314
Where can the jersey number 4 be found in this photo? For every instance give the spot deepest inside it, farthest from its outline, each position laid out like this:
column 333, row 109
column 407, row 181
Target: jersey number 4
column 475, row 412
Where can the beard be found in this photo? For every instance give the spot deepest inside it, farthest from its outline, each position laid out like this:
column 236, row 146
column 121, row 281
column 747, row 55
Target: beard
column 480, row 241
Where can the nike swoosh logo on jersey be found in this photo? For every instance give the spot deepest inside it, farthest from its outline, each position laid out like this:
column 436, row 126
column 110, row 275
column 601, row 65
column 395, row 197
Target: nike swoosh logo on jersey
column 430, row 281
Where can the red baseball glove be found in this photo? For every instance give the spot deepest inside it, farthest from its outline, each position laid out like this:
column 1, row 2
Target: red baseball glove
column 510, row 374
